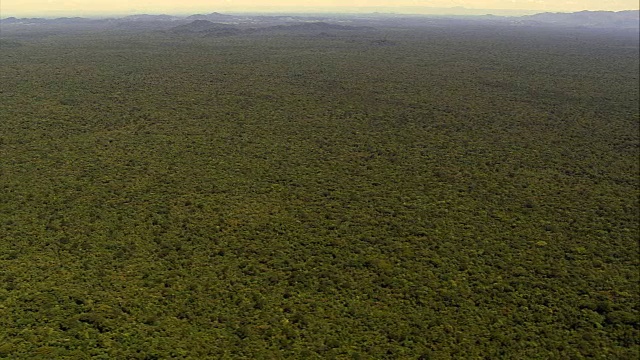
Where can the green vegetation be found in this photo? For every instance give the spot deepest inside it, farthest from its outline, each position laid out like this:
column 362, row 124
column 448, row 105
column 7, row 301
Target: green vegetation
column 420, row 193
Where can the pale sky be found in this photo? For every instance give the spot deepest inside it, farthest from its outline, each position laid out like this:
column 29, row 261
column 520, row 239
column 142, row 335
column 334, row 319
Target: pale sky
column 47, row 8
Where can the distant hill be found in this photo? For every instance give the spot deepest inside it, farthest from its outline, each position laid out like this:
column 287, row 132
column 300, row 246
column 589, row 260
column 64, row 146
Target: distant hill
column 314, row 26
column 206, row 27
column 211, row 17
column 146, row 17
column 620, row 19
column 13, row 20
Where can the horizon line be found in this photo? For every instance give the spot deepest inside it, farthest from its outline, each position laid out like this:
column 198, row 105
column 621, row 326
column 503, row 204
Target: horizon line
column 346, row 10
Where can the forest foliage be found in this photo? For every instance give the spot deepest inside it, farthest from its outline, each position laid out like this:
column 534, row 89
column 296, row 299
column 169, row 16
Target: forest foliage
column 467, row 192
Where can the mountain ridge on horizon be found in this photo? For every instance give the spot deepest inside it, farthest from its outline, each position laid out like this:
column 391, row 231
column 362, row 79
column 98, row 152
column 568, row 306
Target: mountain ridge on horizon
column 388, row 11
column 625, row 19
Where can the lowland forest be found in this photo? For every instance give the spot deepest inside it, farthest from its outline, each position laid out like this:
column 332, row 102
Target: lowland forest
column 279, row 187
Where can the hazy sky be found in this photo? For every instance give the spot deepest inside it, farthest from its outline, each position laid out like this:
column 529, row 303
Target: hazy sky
column 108, row 7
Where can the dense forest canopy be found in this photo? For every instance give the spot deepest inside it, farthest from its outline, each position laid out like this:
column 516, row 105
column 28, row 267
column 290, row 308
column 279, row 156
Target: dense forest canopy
column 334, row 190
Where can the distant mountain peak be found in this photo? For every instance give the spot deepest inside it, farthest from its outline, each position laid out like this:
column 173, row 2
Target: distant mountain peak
column 617, row 19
